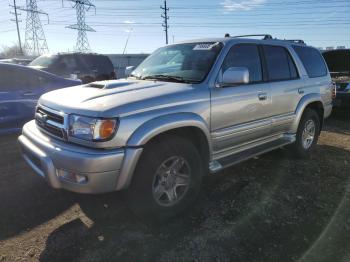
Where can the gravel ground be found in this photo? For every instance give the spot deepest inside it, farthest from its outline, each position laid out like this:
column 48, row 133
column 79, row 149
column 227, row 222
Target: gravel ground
column 271, row 208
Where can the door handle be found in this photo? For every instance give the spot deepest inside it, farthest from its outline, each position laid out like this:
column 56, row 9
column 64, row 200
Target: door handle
column 301, row 91
column 29, row 94
column 262, row 96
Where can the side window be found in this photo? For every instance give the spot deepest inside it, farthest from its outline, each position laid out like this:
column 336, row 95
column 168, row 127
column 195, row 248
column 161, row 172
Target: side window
column 70, row 63
column 245, row 55
column 312, row 61
column 7, row 77
column 279, row 63
column 17, row 80
column 292, row 68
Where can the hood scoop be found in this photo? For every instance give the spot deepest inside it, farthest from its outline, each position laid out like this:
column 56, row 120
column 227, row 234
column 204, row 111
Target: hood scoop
column 109, row 84
column 96, row 85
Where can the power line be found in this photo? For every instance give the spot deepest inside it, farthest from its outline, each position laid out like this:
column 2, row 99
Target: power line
column 35, row 41
column 81, row 7
column 16, row 20
column 165, row 17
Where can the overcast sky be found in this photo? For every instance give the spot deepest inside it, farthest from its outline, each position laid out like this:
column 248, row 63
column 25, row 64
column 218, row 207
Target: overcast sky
column 320, row 23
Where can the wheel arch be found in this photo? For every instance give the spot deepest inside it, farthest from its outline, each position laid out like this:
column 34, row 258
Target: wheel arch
column 312, row 101
column 180, row 123
column 187, row 125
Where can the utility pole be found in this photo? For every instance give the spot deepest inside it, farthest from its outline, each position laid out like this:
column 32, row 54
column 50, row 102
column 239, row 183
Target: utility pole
column 81, row 7
column 127, row 40
column 165, row 23
column 16, row 20
column 35, row 41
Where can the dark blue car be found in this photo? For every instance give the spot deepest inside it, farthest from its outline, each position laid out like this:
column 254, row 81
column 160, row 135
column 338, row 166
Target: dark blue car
column 20, row 89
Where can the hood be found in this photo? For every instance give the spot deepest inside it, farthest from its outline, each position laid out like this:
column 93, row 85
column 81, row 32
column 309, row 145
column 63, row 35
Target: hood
column 338, row 61
column 117, row 97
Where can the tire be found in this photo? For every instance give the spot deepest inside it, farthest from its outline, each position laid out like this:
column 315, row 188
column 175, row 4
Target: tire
column 301, row 148
column 145, row 195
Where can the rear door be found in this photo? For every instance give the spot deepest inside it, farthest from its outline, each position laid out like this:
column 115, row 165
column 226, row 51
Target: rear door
column 286, row 86
column 9, row 99
column 240, row 114
column 20, row 90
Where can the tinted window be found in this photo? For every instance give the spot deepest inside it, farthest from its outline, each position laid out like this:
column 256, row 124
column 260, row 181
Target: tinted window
column 69, row 62
column 292, row 68
column 101, row 63
column 245, row 56
column 14, row 79
column 312, row 61
column 279, row 64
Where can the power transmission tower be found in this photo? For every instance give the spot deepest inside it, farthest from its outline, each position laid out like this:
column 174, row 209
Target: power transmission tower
column 35, row 41
column 16, row 20
column 81, row 7
column 166, row 18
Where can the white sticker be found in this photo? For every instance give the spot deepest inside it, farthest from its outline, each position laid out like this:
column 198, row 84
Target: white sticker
column 204, row 46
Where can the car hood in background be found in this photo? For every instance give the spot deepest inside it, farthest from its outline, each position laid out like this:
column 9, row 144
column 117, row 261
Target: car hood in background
column 338, row 61
column 118, row 97
column 38, row 67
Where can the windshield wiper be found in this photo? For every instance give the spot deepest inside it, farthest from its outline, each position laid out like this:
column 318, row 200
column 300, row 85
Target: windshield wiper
column 178, row 79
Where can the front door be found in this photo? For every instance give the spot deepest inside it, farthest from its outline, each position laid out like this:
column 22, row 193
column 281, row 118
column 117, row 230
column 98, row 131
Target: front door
column 240, row 114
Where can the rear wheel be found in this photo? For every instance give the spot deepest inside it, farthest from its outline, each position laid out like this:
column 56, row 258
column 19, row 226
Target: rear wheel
column 308, row 132
column 167, row 178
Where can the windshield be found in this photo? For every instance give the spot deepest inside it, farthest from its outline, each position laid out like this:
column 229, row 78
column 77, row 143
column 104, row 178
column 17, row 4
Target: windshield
column 181, row 63
column 44, row 60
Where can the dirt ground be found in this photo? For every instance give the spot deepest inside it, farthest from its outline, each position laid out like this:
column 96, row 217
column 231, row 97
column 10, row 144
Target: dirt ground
column 271, row 208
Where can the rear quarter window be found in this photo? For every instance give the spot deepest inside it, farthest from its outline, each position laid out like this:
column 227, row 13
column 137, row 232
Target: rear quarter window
column 101, row 63
column 312, row 60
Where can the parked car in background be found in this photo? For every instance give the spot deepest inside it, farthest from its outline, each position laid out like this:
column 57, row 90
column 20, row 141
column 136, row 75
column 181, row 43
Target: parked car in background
column 86, row 67
column 20, row 89
column 187, row 109
column 18, row 61
column 338, row 62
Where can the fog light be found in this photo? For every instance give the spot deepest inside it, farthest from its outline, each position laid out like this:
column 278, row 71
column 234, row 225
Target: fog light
column 72, row 176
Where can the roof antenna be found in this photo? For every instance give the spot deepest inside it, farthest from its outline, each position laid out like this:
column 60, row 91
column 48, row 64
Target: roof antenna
column 227, row 35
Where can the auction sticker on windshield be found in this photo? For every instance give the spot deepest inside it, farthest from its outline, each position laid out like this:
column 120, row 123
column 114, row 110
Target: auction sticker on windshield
column 204, row 46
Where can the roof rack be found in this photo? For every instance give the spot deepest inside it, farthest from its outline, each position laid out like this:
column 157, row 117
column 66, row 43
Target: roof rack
column 265, row 36
column 269, row 37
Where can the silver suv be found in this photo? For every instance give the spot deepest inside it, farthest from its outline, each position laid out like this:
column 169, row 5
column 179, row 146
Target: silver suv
column 189, row 109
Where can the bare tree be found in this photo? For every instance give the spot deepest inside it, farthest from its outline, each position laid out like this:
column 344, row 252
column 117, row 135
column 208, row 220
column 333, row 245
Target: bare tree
column 11, row 51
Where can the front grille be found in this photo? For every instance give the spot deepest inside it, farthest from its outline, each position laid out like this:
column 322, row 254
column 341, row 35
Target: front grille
column 50, row 122
column 51, row 116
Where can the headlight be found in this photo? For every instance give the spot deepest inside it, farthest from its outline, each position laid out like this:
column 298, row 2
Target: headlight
column 92, row 129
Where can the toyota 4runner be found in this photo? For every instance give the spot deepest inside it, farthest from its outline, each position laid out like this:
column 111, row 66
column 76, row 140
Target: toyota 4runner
column 189, row 109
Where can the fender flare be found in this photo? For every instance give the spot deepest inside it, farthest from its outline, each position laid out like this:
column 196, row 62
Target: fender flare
column 161, row 124
column 303, row 103
column 151, row 129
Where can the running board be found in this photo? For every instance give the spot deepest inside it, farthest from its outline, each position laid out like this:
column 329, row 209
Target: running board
column 217, row 165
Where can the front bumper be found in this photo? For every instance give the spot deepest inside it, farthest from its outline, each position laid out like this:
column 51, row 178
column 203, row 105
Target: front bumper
column 104, row 170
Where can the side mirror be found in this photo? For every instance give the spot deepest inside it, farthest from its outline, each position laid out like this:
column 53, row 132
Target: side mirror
column 128, row 70
column 235, row 76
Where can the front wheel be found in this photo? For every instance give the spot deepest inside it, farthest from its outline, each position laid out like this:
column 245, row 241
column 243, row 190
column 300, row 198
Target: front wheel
column 307, row 134
column 167, row 178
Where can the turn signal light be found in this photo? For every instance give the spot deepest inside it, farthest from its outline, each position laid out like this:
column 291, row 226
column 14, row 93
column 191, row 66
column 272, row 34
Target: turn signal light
column 107, row 128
